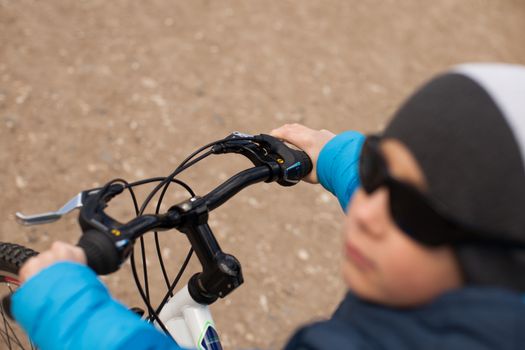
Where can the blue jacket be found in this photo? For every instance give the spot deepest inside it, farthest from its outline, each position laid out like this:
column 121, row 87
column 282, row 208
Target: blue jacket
column 66, row 307
column 465, row 319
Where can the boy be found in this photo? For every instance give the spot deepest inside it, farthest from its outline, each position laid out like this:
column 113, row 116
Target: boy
column 434, row 233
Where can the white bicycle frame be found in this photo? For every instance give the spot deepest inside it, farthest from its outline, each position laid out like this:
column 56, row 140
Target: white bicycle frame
column 189, row 323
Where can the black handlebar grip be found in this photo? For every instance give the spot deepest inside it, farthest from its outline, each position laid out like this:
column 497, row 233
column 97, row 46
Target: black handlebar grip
column 306, row 162
column 101, row 253
column 296, row 166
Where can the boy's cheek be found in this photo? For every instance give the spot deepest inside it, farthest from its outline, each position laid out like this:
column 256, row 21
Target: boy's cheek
column 413, row 275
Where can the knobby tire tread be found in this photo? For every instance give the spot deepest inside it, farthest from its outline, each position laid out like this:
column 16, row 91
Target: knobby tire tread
column 12, row 256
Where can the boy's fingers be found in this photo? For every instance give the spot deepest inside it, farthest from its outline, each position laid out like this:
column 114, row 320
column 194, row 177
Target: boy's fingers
column 34, row 265
column 288, row 128
column 279, row 132
column 309, row 140
column 65, row 251
column 59, row 251
column 296, row 134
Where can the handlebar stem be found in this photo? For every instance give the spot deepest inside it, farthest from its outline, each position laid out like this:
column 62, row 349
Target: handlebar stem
column 221, row 272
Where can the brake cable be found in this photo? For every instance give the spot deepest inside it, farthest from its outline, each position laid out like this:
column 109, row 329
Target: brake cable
column 107, row 242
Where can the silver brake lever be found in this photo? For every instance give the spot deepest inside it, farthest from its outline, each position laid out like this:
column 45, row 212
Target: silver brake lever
column 44, row 218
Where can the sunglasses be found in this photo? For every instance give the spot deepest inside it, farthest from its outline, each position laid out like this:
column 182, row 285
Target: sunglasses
column 412, row 211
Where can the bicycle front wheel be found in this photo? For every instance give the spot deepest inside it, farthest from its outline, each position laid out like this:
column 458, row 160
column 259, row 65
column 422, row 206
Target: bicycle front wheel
column 12, row 256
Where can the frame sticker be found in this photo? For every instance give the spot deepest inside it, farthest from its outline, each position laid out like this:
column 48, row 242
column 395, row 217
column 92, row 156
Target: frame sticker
column 209, row 340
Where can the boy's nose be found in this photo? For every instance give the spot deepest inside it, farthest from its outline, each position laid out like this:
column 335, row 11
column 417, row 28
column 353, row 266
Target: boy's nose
column 371, row 211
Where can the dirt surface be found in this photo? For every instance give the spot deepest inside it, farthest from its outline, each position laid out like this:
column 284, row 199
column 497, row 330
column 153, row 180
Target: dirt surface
column 93, row 90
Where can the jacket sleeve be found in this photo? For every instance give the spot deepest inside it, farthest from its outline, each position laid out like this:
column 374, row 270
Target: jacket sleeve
column 65, row 306
column 337, row 166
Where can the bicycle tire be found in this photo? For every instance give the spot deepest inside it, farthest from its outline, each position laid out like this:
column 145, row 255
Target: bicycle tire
column 12, row 256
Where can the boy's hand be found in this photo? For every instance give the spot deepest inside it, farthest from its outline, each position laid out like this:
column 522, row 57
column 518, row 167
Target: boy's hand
column 309, row 140
column 59, row 251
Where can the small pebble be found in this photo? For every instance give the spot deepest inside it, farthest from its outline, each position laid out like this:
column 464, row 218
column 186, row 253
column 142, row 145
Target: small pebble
column 20, row 182
column 303, row 254
column 148, row 83
column 166, row 252
column 254, row 202
column 324, row 198
column 158, row 100
column 92, row 168
column 263, row 300
column 199, row 36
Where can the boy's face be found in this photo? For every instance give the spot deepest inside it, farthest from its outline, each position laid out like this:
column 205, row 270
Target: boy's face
column 383, row 264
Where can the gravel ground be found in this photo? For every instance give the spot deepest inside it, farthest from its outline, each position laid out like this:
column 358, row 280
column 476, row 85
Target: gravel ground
column 93, row 90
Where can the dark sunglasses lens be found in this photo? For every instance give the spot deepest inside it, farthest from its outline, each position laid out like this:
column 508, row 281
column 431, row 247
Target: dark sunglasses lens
column 371, row 166
column 415, row 216
column 410, row 209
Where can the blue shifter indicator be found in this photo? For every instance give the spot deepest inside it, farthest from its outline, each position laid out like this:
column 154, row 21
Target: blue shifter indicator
column 293, row 170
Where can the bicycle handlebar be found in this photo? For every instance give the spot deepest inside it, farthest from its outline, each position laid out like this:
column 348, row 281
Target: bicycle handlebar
column 236, row 183
column 107, row 242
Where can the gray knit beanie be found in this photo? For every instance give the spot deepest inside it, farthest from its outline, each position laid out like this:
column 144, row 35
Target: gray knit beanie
column 466, row 128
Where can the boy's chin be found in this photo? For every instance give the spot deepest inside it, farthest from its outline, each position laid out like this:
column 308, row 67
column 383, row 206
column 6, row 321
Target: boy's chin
column 358, row 284
column 363, row 286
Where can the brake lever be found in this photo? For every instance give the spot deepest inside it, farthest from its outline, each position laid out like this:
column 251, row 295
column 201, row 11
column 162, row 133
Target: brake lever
column 76, row 202
column 44, row 218
column 234, row 142
column 265, row 149
column 244, row 144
